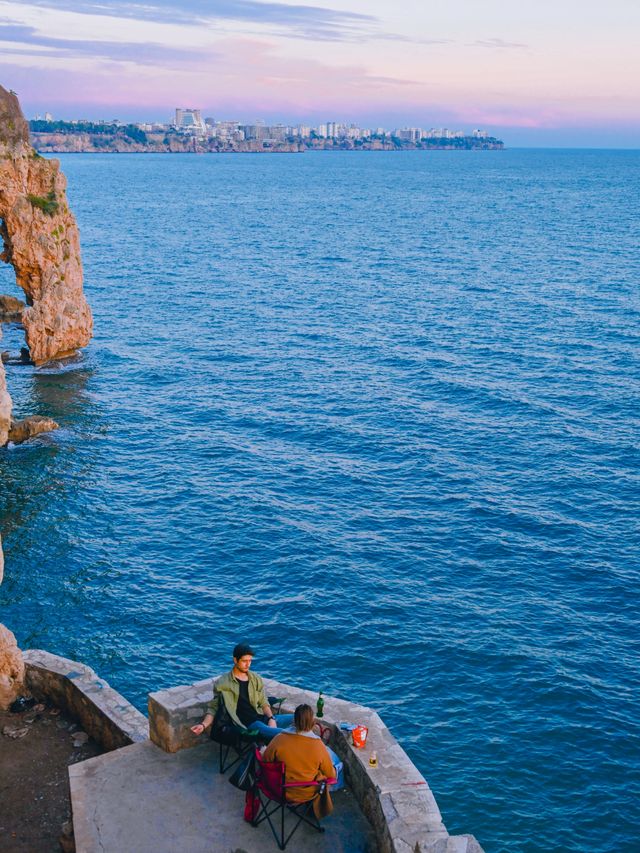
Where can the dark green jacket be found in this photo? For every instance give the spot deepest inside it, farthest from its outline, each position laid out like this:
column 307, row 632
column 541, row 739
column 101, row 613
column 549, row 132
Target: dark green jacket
column 226, row 689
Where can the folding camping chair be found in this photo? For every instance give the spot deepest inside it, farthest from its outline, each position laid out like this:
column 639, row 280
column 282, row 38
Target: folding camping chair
column 235, row 742
column 271, row 790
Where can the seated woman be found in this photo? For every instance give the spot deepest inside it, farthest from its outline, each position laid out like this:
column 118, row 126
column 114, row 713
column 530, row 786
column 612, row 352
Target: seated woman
column 305, row 757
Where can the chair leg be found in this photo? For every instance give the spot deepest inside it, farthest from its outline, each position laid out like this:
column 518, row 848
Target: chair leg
column 225, row 758
column 303, row 814
column 309, row 817
column 265, row 814
column 225, row 764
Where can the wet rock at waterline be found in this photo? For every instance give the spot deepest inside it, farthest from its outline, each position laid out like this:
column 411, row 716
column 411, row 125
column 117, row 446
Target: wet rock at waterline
column 11, row 309
column 29, row 427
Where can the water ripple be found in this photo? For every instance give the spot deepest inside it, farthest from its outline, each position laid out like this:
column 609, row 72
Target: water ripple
column 379, row 414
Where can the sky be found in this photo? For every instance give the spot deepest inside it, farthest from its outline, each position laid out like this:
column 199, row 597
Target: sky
column 534, row 72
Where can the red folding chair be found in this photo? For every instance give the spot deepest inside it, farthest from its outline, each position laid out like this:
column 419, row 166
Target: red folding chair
column 271, row 790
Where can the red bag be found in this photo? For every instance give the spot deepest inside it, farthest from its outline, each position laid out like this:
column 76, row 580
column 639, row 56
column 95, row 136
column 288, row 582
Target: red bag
column 251, row 806
column 359, row 735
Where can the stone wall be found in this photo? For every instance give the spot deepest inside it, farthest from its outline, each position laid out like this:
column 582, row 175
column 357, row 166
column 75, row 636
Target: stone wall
column 75, row 688
column 394, row 796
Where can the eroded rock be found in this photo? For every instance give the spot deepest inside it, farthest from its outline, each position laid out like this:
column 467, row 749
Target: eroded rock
column 15, row 732
column 41, row 241
column 11, row 308
column 80, row 738
column 5, row 410
column 23, row 358
column 28, row 427
column 11, row 668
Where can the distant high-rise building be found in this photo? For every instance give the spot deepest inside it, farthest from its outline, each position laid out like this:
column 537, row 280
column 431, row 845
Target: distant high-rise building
column 413, row 134
column 226, row 130
column 277, row 132
column 189, row 121
column 255, row 131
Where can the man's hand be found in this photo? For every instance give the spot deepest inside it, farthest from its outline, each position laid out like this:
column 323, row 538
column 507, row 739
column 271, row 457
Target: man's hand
column 197, row 729
column 272, row 723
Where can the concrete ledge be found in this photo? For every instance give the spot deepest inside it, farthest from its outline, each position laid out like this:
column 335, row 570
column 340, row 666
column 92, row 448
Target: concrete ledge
column 102, row 712
column 395, row 797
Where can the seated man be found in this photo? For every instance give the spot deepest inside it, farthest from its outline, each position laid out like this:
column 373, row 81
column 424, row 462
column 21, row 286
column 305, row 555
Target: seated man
column 242, row 692
column 305, row 758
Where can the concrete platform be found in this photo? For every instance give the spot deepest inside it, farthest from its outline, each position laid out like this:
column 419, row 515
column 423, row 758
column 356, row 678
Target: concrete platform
column 140, row 799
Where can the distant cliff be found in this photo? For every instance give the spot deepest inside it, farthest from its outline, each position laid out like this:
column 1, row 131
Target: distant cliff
column 120, row 140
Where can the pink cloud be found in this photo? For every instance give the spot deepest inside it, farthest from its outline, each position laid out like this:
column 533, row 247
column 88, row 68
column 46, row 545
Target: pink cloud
column 244, row 78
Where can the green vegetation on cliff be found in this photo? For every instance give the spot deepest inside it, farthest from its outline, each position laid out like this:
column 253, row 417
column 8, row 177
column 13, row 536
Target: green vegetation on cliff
column 47, row 204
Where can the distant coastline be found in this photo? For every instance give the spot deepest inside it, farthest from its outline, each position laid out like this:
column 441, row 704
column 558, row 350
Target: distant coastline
column 68, row 138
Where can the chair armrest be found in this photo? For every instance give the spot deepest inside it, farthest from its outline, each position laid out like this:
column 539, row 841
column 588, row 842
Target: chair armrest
column 276, row 703
column 319, row 783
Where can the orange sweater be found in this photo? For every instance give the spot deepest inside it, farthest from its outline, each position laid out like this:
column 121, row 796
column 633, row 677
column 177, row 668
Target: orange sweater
column 305, row 758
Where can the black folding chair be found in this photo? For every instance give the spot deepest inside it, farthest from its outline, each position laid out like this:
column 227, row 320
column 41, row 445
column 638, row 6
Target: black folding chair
column 234, row 741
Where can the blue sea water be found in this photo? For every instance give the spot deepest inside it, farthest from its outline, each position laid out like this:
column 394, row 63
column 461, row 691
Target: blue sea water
column 378, row 414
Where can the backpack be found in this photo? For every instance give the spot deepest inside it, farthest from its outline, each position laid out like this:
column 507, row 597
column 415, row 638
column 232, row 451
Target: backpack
column 223, row 729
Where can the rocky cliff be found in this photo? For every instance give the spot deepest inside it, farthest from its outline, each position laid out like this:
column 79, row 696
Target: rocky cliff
column 11, row 668
column 5, row 415
column 41, row 242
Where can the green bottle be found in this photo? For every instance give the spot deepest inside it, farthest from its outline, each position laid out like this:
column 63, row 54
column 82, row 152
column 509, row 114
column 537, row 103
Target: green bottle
column 320, row 706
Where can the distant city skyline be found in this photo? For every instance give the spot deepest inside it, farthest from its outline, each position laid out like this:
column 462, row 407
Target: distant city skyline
column 193, row 120
column 550, row 73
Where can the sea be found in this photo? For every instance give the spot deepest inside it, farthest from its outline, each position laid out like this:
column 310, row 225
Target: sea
column 377, row 414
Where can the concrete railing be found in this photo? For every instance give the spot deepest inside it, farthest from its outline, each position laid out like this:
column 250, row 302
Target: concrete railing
column 103, row 713
column 394, row 796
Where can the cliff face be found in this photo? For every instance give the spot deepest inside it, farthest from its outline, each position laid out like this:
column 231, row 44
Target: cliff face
column 11, row 668
column 5, row 422
column 41, row 242
column 157, row 143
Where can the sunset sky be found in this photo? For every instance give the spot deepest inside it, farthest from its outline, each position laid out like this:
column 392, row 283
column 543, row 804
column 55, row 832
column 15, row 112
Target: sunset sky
column 550, row 72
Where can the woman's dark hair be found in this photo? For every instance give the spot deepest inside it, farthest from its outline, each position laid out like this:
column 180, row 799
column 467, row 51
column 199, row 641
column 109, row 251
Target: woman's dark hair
column 303, row 718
